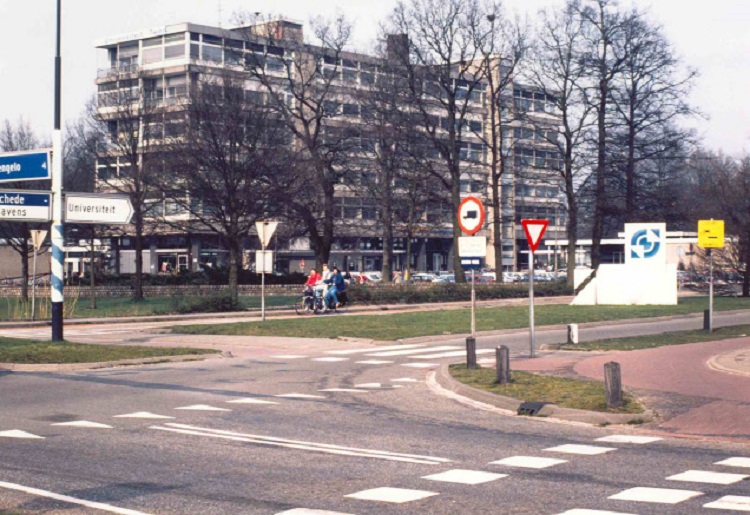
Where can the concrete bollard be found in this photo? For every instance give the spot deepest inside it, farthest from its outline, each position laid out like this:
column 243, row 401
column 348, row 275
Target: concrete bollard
column 573, row 333
column 471, row 352
column 707, row 320
column 502, row 361
column 613, row 385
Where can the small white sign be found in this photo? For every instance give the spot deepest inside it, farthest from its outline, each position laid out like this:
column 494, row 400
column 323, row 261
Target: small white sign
column 263, row 261
column 37, row 238
column 265, row 230
column 472, row 246
column 645, row 244
column 97, row 208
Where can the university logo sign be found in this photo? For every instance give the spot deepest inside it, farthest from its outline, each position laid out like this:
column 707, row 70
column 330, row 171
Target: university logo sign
column 644, row 244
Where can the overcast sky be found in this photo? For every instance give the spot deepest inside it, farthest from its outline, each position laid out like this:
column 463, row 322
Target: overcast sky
column 712, row 37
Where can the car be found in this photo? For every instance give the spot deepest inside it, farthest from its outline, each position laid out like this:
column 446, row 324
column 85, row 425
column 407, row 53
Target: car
column 372, row 276
column 423, row 278
column 445, row 279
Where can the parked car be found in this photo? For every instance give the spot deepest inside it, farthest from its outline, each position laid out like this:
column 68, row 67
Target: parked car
column 445, row 279
column 423, row 278
column 373, row 276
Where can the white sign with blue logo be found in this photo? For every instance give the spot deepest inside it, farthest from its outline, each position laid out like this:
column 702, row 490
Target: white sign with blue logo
column 33, row 165
column 26, row 206
column 645, row 244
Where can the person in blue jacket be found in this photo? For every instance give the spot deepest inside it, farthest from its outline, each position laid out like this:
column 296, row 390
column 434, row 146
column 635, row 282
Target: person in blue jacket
column 337, row 285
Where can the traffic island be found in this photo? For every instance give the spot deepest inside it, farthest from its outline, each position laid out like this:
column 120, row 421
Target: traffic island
column 541, row 396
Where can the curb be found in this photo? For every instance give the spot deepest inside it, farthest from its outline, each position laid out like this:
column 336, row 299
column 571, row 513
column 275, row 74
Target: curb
column 444, row 379
column 74, row 367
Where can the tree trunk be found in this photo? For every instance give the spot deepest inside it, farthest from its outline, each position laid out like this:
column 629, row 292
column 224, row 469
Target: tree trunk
column 746, row 275
column 630, row 194
column 408, row 252
column 387, row 221
column 233, row 270
column 456, row 200
column 92, row 274
column 599, row 193
column 25, row 262
column 138, row 290
column 497, row 236
column 572, row 229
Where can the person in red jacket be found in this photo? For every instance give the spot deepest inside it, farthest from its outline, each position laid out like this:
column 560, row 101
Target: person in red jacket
column 313, row 279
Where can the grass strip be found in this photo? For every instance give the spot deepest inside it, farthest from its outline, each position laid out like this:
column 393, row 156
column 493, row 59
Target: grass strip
column 450, row 321
column 661, row 340
column 525, row 386
column 20, row 351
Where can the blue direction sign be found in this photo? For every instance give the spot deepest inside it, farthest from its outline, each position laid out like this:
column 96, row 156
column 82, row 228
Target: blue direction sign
column 26, row 206
column 471, row 263
column 25, row 166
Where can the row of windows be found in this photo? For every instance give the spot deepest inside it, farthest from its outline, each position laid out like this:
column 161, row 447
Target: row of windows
column 525, row 190
column 555, row 215
column 536, row 102
column 545, row 159
column 535, row 134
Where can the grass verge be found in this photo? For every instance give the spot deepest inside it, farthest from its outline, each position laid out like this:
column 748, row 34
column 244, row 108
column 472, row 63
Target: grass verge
column 661, row 340
column 453, row 321
column 20, row 351
column 566, row 393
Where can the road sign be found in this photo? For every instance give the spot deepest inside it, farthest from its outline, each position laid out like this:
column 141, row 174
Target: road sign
column 472, row 246
column 32, row 165
column 711, row 234
column 534, row 230
column 265, row 230
column 94, row 208
column 471, row 215
column 471, row 263
column 26, row 206
column 263, row 262
column 37, row 238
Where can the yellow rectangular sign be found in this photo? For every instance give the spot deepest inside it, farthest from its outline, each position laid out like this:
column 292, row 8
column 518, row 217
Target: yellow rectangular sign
column 711, row 234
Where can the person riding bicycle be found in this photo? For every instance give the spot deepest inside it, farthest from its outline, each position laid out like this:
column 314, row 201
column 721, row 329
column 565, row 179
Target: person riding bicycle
column 312, row 280
column 337, row 285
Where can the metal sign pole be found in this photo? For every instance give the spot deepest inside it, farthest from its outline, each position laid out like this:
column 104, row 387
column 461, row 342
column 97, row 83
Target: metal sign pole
column 711, row 290
column 263, row 288
column 531, row 304
column 33, row 288
column 473, row 307
column 58, row 239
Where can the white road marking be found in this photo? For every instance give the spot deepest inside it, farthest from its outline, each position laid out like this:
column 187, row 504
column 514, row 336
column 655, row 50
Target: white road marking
column 202, row 407
column 730, row 502
column 351, row 390
column 587, row 450
column 405, row 380
column 704, row 476
column 629, row 439
column 251, row 400
column 17, row 433
column 288, row 356
column 370, row 349
column 394, row 495
column 579, row 511
column 453, row 354
column 655, row 495
column 373, row 362
column 735, row 462
column 421, row 365
column 308, row 511
column 301, row 445
column 529, row 462
column 330, row 359
column 83, row 423
column 465, row 477
column 71, row 500
column 300, row 396
column 412, row 351
column 142, row 414
column 368, row 385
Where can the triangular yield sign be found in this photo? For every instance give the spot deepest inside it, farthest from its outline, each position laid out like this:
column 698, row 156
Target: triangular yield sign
column 534, row 230
column 265, row 230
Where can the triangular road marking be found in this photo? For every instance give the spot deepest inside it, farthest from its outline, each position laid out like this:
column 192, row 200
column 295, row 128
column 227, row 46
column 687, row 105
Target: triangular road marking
column 251, row 400
column 141, row 414
column 202, row 407
column 17, row 433
column 84, row 423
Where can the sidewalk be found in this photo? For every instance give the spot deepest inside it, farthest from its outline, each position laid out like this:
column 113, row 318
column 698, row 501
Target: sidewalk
column 697, row 389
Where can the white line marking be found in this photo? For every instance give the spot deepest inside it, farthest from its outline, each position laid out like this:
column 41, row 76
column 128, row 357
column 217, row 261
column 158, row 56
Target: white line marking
column 297, row 444
column 300, row 396
column 730, row 502
column 629, row 439
column 351, row 390
column 368, row 385
column 412, row 351
column 330, row 359
column 251, row 400
column 308, row 511
column 71, row 500
column 405, row 380
column 529, row 462
column 288, row 356
column 655, row 495
column 579, row 511
column 421, row 365
column 373, row 362
column 465, row 477
column 17, row 433
column 371, row 349
column 586, row 450
column 394, row 495
column 735, row 462
column 704, row 476
column 84, row 423
column 202, row 407
column 453, row 354
column 142, row 414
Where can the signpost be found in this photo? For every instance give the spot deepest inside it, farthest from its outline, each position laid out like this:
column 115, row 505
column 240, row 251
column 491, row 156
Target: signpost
column 711, row 236
column 265, row 229
column 32, row 165
column 472, row 250
column 37, row 238
column 26, row 206
column 90, row 208
column 534, row 230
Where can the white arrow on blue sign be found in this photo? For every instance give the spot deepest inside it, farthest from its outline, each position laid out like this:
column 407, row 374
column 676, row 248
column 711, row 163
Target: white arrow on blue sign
column 26, row 206
column 33, row 165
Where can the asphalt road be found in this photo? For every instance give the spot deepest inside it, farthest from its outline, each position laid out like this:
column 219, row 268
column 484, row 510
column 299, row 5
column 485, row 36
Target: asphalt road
column 328, row 452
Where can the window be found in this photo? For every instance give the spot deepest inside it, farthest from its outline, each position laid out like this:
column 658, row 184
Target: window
column 367, row 78
column 275, row 64
column 152, row 42
column 152, row 55
column 350, row 75
column 174, row 51
column 213, row 40
column 232, row 56
column 195, row 51
column 174, row 38
column 351, row 110
column 211, row 53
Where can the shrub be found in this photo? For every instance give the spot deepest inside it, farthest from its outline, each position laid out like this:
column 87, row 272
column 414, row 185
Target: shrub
column 217, row 303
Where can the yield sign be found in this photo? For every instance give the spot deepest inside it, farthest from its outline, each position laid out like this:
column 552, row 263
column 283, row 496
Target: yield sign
column 534, row 230
column 265, row 230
